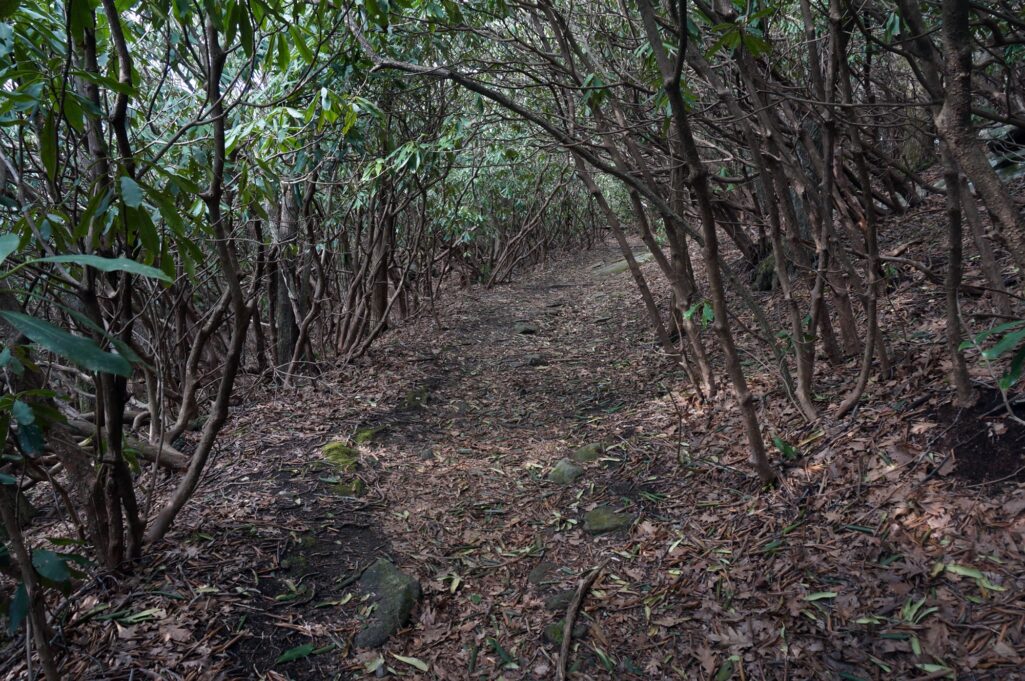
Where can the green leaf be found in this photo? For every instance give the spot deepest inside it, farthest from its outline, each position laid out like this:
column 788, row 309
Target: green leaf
column 300, row 44
column 707, row 315
column 110, row 265
column 30, row 439
column 785, row 448
column 413, row 662
column 1008, row 342
column 131, row 193
column 48, row 146
column 1014, row 371
column 980, row 579
column 18, row 609
column 82, row 351
column 8, row 244
column 820, row 595
column 297, row 653
column 725, row 671
column 980, row 337
column 51, row 566
column 23, row 413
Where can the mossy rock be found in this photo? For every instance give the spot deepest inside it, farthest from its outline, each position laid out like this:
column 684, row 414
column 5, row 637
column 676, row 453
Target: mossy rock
column 565, row 472
column 553, row 632
column 354, row 487
column 394, row 594
column 560, row 600
column 525, row 327
column 341, row 456
column 368, row 434
column 620, row 266
column 589, row 452
column 416, row 398
column 541, row 572
column 603, row 520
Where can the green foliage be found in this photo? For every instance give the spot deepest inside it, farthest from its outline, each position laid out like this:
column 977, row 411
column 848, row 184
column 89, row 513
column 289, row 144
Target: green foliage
column 82, row 351
column 1007, row 338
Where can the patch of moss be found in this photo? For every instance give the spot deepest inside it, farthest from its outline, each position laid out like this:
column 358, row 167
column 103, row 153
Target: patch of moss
column 416, row 398
column 354, row 487
column 368, row 434
column 342, row 456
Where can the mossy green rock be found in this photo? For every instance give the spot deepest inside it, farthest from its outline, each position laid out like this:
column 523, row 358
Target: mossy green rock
column 394, row 594
column 565, row 472
column 588, row 453
column 526, row 328
column 553, row 632
column 620, row 266
column 342, row 456
column 560, row 601
column 541, row 572
column 416, row 398
column 351, row 488
column 368, row 434
column 603, row 520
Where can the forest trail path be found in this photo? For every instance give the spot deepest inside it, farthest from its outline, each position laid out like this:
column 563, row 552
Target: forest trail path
column 456, row 424
column 458, row 427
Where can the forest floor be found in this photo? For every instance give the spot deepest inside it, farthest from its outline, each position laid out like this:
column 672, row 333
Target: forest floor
column 881, row 555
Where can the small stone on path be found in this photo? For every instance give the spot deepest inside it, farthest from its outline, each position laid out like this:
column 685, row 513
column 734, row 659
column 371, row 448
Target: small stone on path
column 540, row 573
column 565, row 472
column 604, row 519
column 394, row 594
column 589, row 452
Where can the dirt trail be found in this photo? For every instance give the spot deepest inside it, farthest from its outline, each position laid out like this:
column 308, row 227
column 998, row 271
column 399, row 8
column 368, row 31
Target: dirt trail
column 867, row 562
column 469, row 418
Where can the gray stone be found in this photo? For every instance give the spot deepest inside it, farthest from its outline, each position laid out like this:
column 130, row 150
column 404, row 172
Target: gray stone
column 565, row 472
column 560, row 601
column 526, row 328
column 589, row 452
column 553, row 632
column 394, row 593
column 604, row 519
column 620, row 266
column 541, row 572
column 416, row 399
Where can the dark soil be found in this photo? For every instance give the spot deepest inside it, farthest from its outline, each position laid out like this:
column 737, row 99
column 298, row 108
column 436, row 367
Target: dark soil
column 987, row 444
column 313, row 577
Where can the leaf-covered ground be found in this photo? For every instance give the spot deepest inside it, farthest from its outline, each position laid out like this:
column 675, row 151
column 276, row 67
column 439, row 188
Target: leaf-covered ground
column 874, row 559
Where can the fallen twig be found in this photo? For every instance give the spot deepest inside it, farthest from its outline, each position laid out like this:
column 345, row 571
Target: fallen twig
column 571, row 615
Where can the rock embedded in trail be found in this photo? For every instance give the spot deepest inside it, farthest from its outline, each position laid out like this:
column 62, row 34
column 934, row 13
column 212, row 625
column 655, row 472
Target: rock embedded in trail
column 341, row 456
column 525, row 328
column 565, row 472
column 368, row 434
column 604, row 519
column 416, row 399
column 553, row 632
column 589, row 452
column 394, row 593
column 541, row 573
column 345, row 460
column 560, row 600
